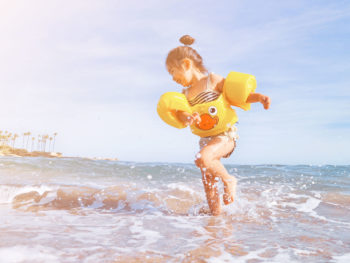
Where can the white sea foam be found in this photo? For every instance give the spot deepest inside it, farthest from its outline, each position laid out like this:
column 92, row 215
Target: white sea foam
column 182, row 187
column 256, row 255
column 19, row 254
column 343, row 258
column 307, row 207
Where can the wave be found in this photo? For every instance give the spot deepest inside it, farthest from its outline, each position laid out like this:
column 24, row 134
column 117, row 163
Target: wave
column 126, row 198
column 175, row 199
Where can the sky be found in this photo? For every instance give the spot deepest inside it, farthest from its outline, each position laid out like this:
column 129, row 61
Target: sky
column 93, row 71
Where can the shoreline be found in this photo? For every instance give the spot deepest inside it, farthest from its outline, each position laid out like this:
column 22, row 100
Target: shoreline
column 6, row 151
column 58, row 155
column 33, row 154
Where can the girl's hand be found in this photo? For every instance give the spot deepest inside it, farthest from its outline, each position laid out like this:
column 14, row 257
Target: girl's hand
column 257, row 97
column 187, row 118
column 195, row 118
column 265, row 100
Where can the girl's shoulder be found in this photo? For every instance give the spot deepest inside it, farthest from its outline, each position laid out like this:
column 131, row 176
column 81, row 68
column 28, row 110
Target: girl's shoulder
column 217, row 82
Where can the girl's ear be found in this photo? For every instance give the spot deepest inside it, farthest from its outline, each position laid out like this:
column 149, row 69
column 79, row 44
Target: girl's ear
column 186, row 63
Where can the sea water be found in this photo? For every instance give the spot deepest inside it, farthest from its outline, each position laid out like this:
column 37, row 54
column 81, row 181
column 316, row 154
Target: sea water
column 81, row 210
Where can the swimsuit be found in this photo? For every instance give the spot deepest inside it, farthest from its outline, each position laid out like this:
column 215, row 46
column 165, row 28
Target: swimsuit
column 208, row 96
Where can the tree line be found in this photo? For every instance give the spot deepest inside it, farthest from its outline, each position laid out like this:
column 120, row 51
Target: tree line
column 41, row 143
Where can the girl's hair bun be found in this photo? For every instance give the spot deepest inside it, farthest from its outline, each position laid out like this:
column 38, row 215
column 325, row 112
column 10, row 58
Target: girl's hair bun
column 187, row 40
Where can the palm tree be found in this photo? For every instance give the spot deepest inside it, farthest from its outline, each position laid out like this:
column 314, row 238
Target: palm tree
column 8, row 138
column 54, row 140
column 38, row 144
column 3, row 139
column 33, row 138
column 28, row 134
column 24, row 134
column 45, row 138
column 50, row 144
column 24, row 139
column 15, row 136
column 41, row 143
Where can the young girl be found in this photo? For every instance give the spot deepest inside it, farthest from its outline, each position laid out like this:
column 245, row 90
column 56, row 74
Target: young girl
column 186, row 67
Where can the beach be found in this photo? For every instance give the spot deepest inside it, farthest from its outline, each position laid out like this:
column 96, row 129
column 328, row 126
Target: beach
column 17, row 152
column 83, row 210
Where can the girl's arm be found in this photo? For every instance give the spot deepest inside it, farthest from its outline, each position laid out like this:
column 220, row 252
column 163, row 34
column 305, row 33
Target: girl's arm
column 187, row 118
column 257, row 97
column 253, row 97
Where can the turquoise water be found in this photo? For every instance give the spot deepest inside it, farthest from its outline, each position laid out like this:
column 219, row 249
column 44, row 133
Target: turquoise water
column 80, row 210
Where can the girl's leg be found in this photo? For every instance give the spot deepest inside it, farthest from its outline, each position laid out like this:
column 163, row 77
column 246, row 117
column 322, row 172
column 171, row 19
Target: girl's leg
column 211, row 191
column 209, row 161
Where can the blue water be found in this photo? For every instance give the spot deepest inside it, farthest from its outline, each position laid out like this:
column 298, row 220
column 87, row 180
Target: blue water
column 81, row 210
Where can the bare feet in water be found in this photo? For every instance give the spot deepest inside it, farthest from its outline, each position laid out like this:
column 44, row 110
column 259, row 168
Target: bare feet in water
column 230, row 190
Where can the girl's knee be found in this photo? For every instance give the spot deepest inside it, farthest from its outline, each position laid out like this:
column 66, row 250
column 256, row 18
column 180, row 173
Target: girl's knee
column 202, row 160
column 197, row 161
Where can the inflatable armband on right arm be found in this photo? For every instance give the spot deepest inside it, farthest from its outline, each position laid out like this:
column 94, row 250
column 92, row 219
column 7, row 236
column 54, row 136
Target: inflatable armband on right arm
column 169, row 103
column 237, row 88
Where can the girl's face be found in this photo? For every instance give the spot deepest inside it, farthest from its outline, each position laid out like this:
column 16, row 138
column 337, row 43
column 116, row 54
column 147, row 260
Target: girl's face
column 182, row 74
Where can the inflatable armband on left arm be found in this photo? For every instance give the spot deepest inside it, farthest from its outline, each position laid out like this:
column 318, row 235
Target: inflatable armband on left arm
column 168, row 104
column 237, row 88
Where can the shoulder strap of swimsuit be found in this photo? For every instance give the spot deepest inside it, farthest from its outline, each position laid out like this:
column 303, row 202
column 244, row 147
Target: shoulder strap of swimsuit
column 208, row 80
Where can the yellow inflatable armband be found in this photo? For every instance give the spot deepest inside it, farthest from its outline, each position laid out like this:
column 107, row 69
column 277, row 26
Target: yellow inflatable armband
column 168, row 104
column 216, row 114
column 237, row 88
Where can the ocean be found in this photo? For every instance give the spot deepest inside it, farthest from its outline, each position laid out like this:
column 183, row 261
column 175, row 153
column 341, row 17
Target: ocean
column 81, row 210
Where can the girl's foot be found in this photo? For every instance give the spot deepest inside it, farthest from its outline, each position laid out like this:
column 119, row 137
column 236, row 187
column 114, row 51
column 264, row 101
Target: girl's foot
column 230, row 190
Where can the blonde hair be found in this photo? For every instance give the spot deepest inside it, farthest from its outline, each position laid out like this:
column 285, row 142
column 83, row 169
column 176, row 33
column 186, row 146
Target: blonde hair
column 176, row 55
